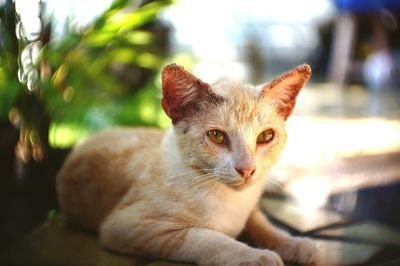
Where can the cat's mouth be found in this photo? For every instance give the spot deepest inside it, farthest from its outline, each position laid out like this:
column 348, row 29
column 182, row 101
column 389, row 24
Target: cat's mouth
column 239, row 184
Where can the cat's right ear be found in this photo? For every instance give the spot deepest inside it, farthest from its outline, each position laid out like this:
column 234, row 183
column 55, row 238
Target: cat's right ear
column 182, row 92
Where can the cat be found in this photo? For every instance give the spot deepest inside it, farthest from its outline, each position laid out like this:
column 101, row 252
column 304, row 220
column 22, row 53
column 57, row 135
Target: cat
column 187, row 193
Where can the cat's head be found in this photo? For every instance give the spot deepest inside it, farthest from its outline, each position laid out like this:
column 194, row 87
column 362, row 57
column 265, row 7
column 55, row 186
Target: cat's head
column 230, row 133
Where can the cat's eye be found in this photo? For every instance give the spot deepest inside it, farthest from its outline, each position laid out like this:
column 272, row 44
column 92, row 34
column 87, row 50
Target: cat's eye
column 217, row 136
column 265, row 137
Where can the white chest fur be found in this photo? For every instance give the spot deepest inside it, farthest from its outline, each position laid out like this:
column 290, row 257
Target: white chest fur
column 228, row 212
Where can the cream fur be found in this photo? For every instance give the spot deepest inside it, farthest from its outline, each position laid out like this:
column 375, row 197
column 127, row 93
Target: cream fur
column 177, row 194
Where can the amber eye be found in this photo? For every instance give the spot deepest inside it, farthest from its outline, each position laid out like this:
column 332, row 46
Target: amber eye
column 217, row 136
column 265, row 137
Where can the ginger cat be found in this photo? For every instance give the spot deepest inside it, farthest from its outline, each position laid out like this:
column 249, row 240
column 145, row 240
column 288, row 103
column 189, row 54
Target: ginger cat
column 186, row 194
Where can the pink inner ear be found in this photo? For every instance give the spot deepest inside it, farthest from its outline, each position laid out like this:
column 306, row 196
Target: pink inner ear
column 285, row 88
column 287, row 101
column 181, row 90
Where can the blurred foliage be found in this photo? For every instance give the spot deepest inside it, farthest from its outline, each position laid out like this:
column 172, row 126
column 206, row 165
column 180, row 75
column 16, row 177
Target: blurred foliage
column 104, row 74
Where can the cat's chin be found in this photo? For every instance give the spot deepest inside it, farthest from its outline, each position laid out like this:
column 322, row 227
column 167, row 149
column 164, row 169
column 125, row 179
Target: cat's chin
column 240, row 185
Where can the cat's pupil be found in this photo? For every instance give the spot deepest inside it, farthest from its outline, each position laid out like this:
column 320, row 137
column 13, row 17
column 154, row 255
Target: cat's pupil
column 219, row 136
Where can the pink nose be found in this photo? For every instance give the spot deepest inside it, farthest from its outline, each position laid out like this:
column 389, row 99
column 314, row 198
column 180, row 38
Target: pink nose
column 246, row 173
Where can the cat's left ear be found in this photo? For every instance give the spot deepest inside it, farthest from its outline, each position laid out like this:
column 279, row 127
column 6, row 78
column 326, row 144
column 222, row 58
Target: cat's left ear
column 285, row 88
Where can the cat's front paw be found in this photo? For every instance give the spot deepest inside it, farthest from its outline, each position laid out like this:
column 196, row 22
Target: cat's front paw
column 298, row 249
column 260, row 257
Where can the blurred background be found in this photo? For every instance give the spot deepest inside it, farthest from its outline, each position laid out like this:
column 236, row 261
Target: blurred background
column 69, row 68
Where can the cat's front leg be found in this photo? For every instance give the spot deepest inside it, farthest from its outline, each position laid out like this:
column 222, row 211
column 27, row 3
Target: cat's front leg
column 291, row 249
column 208, row 247
column 171, row 239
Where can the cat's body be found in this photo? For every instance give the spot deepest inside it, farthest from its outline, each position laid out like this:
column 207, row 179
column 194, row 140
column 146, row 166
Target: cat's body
column 187, row 193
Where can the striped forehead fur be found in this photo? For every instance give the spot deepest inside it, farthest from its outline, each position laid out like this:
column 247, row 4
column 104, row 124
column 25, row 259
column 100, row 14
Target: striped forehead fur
column 242, row 103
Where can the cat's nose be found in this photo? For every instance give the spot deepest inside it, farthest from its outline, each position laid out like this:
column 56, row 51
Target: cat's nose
column 246, row 173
